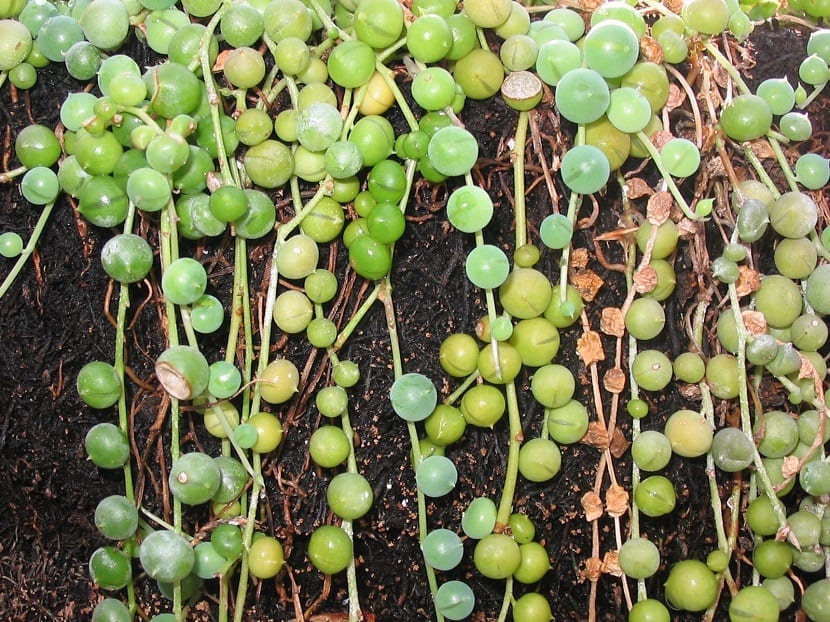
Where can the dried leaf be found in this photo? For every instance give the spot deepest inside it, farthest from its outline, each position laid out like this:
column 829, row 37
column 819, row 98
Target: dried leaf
column 651, row 50
column 762, row 149
column 616, row 235
column 614, row 380
column 748, row 281
column 690, row 392
column 616, row 500
column 619, row 444
column 636, row 187
column 596, row 436
column 592, row 570
column 611, row 564
column 645, row 279
column 755, row 322
column 688, row 229
column 579, row 258
column 790, row 467
column 659, row 207
column 589, row 348
column 588, row 283
column 590, row 5
column 219, row 64
column 592, row 505
column 675, row 6
column 676, row 98
column 612, row 322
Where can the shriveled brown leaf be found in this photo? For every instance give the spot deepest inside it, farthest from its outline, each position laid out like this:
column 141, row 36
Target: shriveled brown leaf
column 596, row 436
column 221, row 58
column 676, row 97
column 660, row 138
column 762, row 149
column 590, row 5
column 651, row 50
column 614, row 380
column 675, row 6
column 612, row 322
column 619, row 444
column 579, row 258
column 748, row 281
column 688, row 229
column 637, row 187
column 592, row 505
column 807, row 369
column 790, row 467
column 616, row 500
column 611, row 564
column 645, row 279
column 589, row 348
column 592, row 570
column 587, row 282
column 659, row 207
column 616, row 235
column 690, row 391
column 755, row 322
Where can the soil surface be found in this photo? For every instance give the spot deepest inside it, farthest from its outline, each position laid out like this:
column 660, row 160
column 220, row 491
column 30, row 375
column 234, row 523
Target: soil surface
column 56, row 318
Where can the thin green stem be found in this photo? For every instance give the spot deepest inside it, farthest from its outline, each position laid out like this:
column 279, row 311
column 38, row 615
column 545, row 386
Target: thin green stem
column 506, row 600
column 519, row 204
column 727, row 66
column 511, row 475
column 12, row 174
column 756, row 163
column 782, row 162
column 672, row 186
column 27, row 251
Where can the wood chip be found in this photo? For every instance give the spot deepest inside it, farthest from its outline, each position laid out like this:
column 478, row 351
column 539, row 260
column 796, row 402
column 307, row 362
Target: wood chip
column 645, row 280
column 748, row 281
column 755, row 322
column 616, row 500
column 614, row 380
column 596, row 436
column 659, row 207
column 612, row 322
column 589, row 348
column 592, row 505
column 636, row 187
column 588, row 283
column 611, row 564
column 619, row 444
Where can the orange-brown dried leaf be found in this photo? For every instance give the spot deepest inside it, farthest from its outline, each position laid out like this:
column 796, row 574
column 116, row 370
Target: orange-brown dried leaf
column 617, row 235
column 645, row 280
column 659, row 207
column 790, row 467
column 612, row 322
column 755, row 322
column 619, row 444
column 614, row 380
column 592, row 570
column 589, row 348
column 597, row 436
column 651, row 50
column 579, row 258
column 587, row 282
column 748, row 281
column 219, row 64
column 637, row 187
column 616, row 500
column 611, row 564
column 762, row 149
column 675, row 6
column 592, row 505
column 676, row 97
